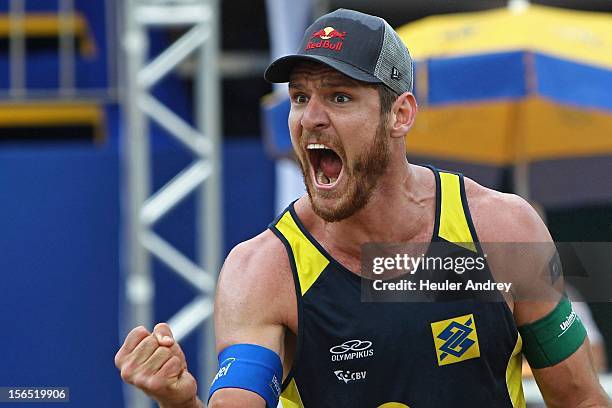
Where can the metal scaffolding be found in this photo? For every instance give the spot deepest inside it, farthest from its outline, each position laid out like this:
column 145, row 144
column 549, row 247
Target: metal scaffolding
column 143, row 208
column 67, row 34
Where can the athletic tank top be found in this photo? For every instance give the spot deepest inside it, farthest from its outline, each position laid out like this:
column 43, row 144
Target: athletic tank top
column 460, row 352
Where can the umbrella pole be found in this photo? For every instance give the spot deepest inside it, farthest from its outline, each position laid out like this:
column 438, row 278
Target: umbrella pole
column 518, row 6
column 520, row 179
column 520, row 162
column 520, row 175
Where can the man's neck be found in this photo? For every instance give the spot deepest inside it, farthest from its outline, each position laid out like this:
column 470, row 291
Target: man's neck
column 400, row 210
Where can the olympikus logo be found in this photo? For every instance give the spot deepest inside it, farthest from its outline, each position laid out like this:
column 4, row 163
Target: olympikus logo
column 351, row 356
column 325, row 35
column 351, row 349
column 569, row 320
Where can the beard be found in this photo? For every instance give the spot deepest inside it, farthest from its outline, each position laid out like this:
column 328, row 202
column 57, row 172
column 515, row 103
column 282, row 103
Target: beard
column 361, row 178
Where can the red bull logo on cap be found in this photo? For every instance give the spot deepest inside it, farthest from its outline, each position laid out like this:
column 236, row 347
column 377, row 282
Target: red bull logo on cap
column 329, row 32
column 325, row 35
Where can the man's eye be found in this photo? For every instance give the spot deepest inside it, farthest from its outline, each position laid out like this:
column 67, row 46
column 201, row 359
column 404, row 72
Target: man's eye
column 341, row 98
column 300, row 99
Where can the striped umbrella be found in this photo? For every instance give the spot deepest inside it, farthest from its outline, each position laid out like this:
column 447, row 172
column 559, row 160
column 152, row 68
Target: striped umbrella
column 528, row 87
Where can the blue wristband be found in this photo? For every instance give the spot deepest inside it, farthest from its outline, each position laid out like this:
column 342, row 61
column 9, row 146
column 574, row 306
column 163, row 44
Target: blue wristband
column 250, row 367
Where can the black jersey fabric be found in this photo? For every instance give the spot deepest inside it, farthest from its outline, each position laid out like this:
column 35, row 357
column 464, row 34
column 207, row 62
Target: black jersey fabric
column 458, row 351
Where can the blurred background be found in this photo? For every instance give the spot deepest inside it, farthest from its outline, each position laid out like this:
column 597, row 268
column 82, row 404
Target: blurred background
column 139, row 143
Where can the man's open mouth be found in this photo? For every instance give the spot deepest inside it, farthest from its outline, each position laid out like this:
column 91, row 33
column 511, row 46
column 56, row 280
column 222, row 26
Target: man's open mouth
column 326, row 163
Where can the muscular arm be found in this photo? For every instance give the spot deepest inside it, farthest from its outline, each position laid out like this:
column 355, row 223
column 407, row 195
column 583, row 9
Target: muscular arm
column 508, row 219
column 572, row 382
column 253, row 298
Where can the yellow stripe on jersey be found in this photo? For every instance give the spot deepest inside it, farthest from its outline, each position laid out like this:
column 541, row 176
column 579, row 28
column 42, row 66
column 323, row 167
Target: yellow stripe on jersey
column 453, row 222
column 290, row 398
column 309, row 262
column 513, row 375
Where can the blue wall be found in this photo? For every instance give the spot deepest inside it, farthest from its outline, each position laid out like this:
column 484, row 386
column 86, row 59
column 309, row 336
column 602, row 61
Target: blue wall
column 60, row 245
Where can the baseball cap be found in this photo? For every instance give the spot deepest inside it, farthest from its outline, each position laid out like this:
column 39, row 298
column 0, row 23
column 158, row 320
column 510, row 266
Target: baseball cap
column 359, row 45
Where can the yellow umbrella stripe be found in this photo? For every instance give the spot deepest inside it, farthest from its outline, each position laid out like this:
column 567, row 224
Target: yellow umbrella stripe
column 575, row 35
column 545, row 131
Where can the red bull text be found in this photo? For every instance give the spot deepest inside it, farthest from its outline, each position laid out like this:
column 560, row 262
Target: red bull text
column 325, row 35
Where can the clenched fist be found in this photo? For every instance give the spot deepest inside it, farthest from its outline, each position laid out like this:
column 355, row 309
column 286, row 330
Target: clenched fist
column 155, row 363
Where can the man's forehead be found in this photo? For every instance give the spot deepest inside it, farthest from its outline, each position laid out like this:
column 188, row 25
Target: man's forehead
column 307, row 71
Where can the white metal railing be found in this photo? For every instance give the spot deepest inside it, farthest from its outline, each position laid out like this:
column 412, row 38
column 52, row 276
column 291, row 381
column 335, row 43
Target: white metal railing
column 143, row 207
column 67, row 55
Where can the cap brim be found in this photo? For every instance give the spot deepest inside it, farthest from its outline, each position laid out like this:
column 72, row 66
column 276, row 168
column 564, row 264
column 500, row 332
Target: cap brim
column 280, row 70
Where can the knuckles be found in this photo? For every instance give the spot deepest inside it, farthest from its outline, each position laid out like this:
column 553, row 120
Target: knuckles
column 139, row 381
column 163, row 353
column 175, row 364
column 141, row 376
column 129, row 370
column 149, row 342
column 138, row 374
column 127, row 375
column 155, row 385
column 136, row 332
column 129, row 367
column 118, row 360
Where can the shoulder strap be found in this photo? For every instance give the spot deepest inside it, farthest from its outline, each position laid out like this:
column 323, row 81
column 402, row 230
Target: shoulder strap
column 455, row 223
column 306, row 260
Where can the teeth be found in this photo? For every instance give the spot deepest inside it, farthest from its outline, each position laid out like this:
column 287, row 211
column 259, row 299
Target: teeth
column 315, row 146
column 323, row 179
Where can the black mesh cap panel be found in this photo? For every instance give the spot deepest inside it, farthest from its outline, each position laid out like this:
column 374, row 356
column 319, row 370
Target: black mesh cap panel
column 394, row 67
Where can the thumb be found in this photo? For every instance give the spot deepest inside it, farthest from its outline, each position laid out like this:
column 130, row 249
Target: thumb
column 163, row 334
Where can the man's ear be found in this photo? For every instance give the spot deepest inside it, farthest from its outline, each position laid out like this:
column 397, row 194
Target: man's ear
column 403, row 114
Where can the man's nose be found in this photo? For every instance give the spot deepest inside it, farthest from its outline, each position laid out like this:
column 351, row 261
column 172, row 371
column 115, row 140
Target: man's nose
column 315, row 116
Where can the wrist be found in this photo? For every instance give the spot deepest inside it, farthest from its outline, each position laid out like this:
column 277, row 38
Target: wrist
column 195, row 402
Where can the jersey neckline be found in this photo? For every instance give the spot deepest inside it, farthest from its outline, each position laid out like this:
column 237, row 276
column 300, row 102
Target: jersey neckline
column 340, row 266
